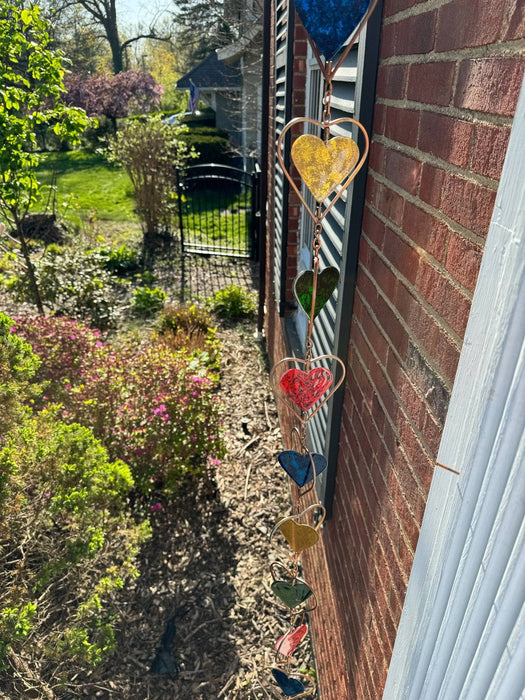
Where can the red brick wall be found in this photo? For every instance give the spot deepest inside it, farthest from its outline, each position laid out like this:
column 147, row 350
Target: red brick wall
column 448, row 83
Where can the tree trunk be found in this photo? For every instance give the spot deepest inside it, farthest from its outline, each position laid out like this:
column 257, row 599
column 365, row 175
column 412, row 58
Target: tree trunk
column 116, row 50
column 30, row 270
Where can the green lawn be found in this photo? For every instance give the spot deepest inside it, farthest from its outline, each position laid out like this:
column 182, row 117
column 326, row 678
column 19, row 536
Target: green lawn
column 91, row 184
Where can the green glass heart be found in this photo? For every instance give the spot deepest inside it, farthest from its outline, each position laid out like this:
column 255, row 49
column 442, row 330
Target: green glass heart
column 291, row 594
column 304, row 285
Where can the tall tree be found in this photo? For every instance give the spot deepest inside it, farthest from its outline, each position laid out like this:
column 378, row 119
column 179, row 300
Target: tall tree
column 103, row 14
column 31, row 76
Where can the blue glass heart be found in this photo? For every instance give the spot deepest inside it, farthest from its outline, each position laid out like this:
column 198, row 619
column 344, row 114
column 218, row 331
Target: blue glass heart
column 330, row 22
column 298, row 466
column 289, row 686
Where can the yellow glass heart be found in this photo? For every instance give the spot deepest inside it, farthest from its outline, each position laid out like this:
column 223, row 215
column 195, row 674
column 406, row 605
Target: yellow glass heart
column 299, row 537
column 324, row 165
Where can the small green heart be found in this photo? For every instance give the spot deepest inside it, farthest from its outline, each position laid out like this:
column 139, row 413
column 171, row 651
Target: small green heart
column 304, row 286
column 292, row 594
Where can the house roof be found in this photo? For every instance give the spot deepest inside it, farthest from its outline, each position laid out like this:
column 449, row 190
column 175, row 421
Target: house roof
column 212, row 73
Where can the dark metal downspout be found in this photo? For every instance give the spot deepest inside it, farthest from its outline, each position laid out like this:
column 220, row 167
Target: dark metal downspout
column 290, row 39
column 353, row 233
column 263, row 191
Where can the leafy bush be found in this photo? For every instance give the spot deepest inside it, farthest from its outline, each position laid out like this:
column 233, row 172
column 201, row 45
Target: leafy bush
column 18, row 366
column 190, row 328
column 210, row 144
column 150, row 150
column 205, row 117
column 68, row 342
column 233, row 302
column 64, row 533
column 67, row 545
column 154, row 408
column 72, row 283
column 120, row 261
column 147, row 301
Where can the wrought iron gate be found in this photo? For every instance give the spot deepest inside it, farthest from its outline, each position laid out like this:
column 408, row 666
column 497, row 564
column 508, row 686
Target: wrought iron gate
column 218, row 207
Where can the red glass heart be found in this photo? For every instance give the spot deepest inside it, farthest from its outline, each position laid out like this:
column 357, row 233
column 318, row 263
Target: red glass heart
column 306, row 388
column 287, row 644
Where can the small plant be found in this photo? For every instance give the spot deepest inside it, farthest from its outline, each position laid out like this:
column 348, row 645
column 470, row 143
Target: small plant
column 148, row 301
column 190, row 329
column 233, row 302
column 120, row 261
column 72, row 283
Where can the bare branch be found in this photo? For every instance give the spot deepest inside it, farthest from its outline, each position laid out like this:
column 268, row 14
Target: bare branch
column 153, row 35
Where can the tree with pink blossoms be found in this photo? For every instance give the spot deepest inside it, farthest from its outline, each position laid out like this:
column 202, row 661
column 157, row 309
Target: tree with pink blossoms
column 114, row 96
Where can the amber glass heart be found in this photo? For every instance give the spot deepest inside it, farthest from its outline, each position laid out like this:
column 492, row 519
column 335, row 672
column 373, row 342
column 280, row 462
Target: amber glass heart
column 306, row 388
column 332, row 160
column 324, row 165
column 299, row 537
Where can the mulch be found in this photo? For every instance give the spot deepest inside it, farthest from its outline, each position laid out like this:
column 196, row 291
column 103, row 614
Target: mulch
column 201, row 621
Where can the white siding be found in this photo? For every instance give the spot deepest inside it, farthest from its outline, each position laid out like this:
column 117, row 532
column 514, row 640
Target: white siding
column 462, row 631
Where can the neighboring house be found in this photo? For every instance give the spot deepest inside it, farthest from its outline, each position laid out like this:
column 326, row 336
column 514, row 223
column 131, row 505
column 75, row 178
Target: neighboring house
column 220, row 86
column 229, row 80
column 247, row 52
column 408, row 238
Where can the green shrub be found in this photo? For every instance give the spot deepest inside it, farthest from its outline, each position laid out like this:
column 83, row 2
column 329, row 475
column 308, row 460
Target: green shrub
column 73, row 283
column 148, row 301
column 120, row 261
column 233, row 302
column 205, row 117
column 211, row 147
column 63, row 532
column 18, row 365
column 190, row 329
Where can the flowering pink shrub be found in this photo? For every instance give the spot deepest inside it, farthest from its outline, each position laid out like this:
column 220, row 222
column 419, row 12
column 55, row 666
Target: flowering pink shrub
column 114, row 96
column 155, row 409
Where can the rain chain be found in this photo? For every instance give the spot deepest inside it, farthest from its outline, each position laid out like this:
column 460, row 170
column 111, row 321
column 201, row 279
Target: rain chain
column 324, row 165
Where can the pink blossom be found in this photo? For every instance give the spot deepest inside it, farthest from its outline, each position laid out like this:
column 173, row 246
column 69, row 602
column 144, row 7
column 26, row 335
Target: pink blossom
column 156, row 506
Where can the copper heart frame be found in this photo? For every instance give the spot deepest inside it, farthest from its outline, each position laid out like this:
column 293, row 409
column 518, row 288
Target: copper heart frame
column 312, row 484
column 296, row 516
column 304, row 416
column 323, row 126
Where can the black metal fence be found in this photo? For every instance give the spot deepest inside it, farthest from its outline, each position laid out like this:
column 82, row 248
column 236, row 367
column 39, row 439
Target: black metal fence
column 218, row 210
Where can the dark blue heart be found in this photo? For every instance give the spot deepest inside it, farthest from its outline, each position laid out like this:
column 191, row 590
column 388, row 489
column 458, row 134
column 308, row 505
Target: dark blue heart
column 298, row 466
column 330, row 22
column 289, row 686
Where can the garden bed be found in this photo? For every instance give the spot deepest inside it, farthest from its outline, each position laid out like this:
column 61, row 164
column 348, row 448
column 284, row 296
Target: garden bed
column 200, row 622
column 205, row 584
